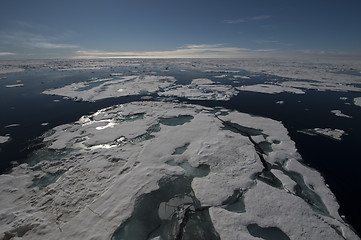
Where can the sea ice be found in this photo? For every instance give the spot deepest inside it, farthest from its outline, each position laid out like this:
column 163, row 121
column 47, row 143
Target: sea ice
column 14, row 85
column 335, row 134
column 96, row 89
column 340, row 114
column 357, row 101
column 201, row 89
column 4, row 139
column 270, row 88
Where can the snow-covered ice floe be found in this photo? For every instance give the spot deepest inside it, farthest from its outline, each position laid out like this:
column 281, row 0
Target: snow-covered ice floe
column 201, row 89
column 4, row 139
column 14, row 85
column 335, row 134
column 357, row 101
column 338, row 113
column 270, row 88
column 96, row 89
column 155, row 169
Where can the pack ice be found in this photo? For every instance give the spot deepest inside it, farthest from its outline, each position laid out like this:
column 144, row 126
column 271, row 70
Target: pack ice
column 151, row 170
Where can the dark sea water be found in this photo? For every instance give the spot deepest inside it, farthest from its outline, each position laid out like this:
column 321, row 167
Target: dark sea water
column 338, row 161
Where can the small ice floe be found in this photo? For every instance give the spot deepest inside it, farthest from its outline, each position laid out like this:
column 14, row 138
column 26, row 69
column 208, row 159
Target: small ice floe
column 357, row 101
column 280, row 102
column 12, row 125
column 2, row 78
column 335, row 134
column 14, row 85
column 45, row 124
column 270, row 89
column 338, row 113
column 4, row 139
column 221, row 76
column 243, row 77
column 343, row 98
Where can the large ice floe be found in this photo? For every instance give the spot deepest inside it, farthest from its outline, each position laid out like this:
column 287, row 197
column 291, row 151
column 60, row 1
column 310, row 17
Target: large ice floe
column 201, row 89
column 96, row 89
column 157, row 170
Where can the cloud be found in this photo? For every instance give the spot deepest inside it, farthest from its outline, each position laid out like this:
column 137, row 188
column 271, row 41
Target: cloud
column 189, row 51
column 6, row 53
column 242, row 20
column 261, row 17
column 48, row 45
column 273, row 42
column 239, row 20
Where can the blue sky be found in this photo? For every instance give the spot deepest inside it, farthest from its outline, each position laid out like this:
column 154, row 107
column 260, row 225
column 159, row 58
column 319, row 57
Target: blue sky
column 159, row 28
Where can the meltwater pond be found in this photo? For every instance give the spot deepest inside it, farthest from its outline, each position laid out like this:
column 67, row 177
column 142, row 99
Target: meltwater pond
column 27, row 113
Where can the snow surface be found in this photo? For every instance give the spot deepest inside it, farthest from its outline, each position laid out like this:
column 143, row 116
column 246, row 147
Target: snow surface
column 97, row 187
column 338, row 113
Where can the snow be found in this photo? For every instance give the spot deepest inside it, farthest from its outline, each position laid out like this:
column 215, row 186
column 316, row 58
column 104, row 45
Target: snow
column 4, row 139
column 270, row 89
column 357, row 101
column 338, row 113
column 335, row 134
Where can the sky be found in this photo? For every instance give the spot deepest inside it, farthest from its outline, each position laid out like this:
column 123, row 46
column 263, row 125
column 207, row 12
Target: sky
column 157, row 28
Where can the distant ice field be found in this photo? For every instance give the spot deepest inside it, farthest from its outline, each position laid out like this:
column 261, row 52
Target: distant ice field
column 320, row 112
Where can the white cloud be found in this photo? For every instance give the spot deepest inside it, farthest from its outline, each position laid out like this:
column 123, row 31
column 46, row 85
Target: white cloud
column 242, row 20
column 238, row 20
column 6, row 53
column 190, row 51
column 261, row 17
column 48, row 45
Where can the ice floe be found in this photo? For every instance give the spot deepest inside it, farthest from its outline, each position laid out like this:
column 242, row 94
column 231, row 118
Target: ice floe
column 335, row 134
column 271, row 89
column 12, row 125
column 96, row 89
column 14, row 85
column 96, row 175
column 201, row 89
column 338, row 113
column 357, row 101
column 4, row 139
